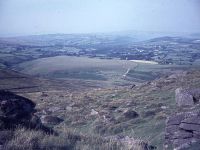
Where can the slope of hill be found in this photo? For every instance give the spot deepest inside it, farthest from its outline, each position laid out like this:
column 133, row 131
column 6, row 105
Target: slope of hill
column 139, row 112
column 22, row 83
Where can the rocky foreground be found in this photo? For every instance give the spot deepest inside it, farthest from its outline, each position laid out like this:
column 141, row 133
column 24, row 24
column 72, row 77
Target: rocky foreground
column 18, row 112
column 183, row 128
column 163, row 113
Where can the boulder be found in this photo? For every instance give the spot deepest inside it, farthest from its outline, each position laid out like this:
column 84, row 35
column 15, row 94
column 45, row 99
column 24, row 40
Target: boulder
column 183, row 97
column 187, row 97
column 130, row 114
column 14, row 109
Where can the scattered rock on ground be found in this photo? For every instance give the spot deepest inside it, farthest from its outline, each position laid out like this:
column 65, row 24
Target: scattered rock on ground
column 50, row 120
column 183, row 98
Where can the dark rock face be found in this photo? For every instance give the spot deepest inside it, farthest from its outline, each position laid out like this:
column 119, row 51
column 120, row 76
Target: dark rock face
column 14, row 109
column 14, row 106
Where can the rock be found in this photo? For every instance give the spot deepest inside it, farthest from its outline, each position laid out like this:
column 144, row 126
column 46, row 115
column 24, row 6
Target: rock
column 35, row 122
column 196, row 94
column 13, row 106
column 192, row 120
column 131, row 143
column 132, row 86
column 196, row 134
column 131, row 114
column 182, row 134
column 149, row 113
column 181, row 144
column 68, row 108
column 175, row 119
column 170, row 130
column 163, row 107
column 112, row 108
column 14, row 109
column 182, row 130
column 187, row 97
column 178, row 75
column 183, row 97
column 190, row 127
column 51, row 120
column 134, row 144
column 94, row 112
column 54, row 109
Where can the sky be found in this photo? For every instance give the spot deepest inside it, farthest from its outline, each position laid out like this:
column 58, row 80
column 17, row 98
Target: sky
column 26, row 17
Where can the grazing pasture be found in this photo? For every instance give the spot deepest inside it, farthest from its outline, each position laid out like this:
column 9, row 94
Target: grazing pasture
column 110, row 71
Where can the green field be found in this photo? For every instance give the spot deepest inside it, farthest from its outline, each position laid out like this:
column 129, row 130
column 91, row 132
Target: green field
column 112, row 71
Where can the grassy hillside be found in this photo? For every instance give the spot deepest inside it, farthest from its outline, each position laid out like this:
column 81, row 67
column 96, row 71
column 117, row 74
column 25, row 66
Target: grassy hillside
column 103, row 111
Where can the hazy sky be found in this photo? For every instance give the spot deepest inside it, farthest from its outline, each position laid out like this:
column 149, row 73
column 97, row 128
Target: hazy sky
column 22, row 17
